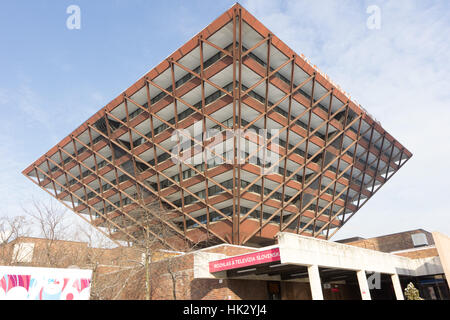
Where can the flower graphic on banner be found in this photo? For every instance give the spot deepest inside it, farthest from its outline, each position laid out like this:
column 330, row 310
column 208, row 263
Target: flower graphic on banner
column 21, row 287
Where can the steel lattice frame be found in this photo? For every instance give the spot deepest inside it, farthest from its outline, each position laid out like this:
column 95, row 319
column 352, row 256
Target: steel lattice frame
column 136, row 181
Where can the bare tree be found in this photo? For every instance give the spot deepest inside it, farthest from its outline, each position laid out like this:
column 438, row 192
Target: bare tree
column 112, row 271
column 175, row 267
column 118, row 272
column 11, row 228
column 50, row 223
column 50, row 219
column 156, row 240
column 153, row 234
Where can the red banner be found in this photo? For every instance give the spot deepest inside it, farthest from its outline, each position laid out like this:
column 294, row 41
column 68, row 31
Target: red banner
column 245, row 260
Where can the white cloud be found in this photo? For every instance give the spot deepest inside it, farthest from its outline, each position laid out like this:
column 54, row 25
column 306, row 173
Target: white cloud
column 400, row 74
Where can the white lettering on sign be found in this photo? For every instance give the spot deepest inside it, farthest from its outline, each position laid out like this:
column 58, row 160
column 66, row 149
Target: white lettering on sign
column 245, row 260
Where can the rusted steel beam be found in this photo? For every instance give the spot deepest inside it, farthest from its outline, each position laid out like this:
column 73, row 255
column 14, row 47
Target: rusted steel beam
column 297, row 145
column 117, row 187
column 177, row 131
column 155, row 155
column 95, row 192
column 78, row 214
column 236, row 218
column 80, row 199
column 176, row 156
column 305, row 186
column 305, row 159
column 379, row 187
column 324, row 154
column 239, row 126
column 283, row 194
column 167, row 177
column 266, row 104
column 204, row 156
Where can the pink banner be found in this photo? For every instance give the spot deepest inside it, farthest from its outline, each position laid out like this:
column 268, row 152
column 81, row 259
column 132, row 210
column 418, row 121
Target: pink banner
column 25, row 287
column 245, row 260
column 33, row 283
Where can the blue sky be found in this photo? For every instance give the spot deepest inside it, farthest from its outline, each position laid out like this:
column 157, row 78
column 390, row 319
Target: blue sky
column 52, row 79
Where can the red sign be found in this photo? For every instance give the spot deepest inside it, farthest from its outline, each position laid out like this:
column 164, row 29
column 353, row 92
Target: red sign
column 245, row 260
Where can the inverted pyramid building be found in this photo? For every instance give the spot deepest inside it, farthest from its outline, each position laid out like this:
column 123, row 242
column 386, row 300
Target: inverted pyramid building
column 231, row 139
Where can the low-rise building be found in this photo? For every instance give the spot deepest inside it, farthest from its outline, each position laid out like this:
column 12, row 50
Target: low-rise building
column 299, row 267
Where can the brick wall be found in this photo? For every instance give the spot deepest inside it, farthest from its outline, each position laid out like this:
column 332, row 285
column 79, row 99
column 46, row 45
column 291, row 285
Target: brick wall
column 392, row 242
column 417, row 254
column 62, row 254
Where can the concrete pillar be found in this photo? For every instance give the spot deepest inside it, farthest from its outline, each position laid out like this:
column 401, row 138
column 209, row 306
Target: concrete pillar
column 363, row 284
column 397, row 287
column 315, row 283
